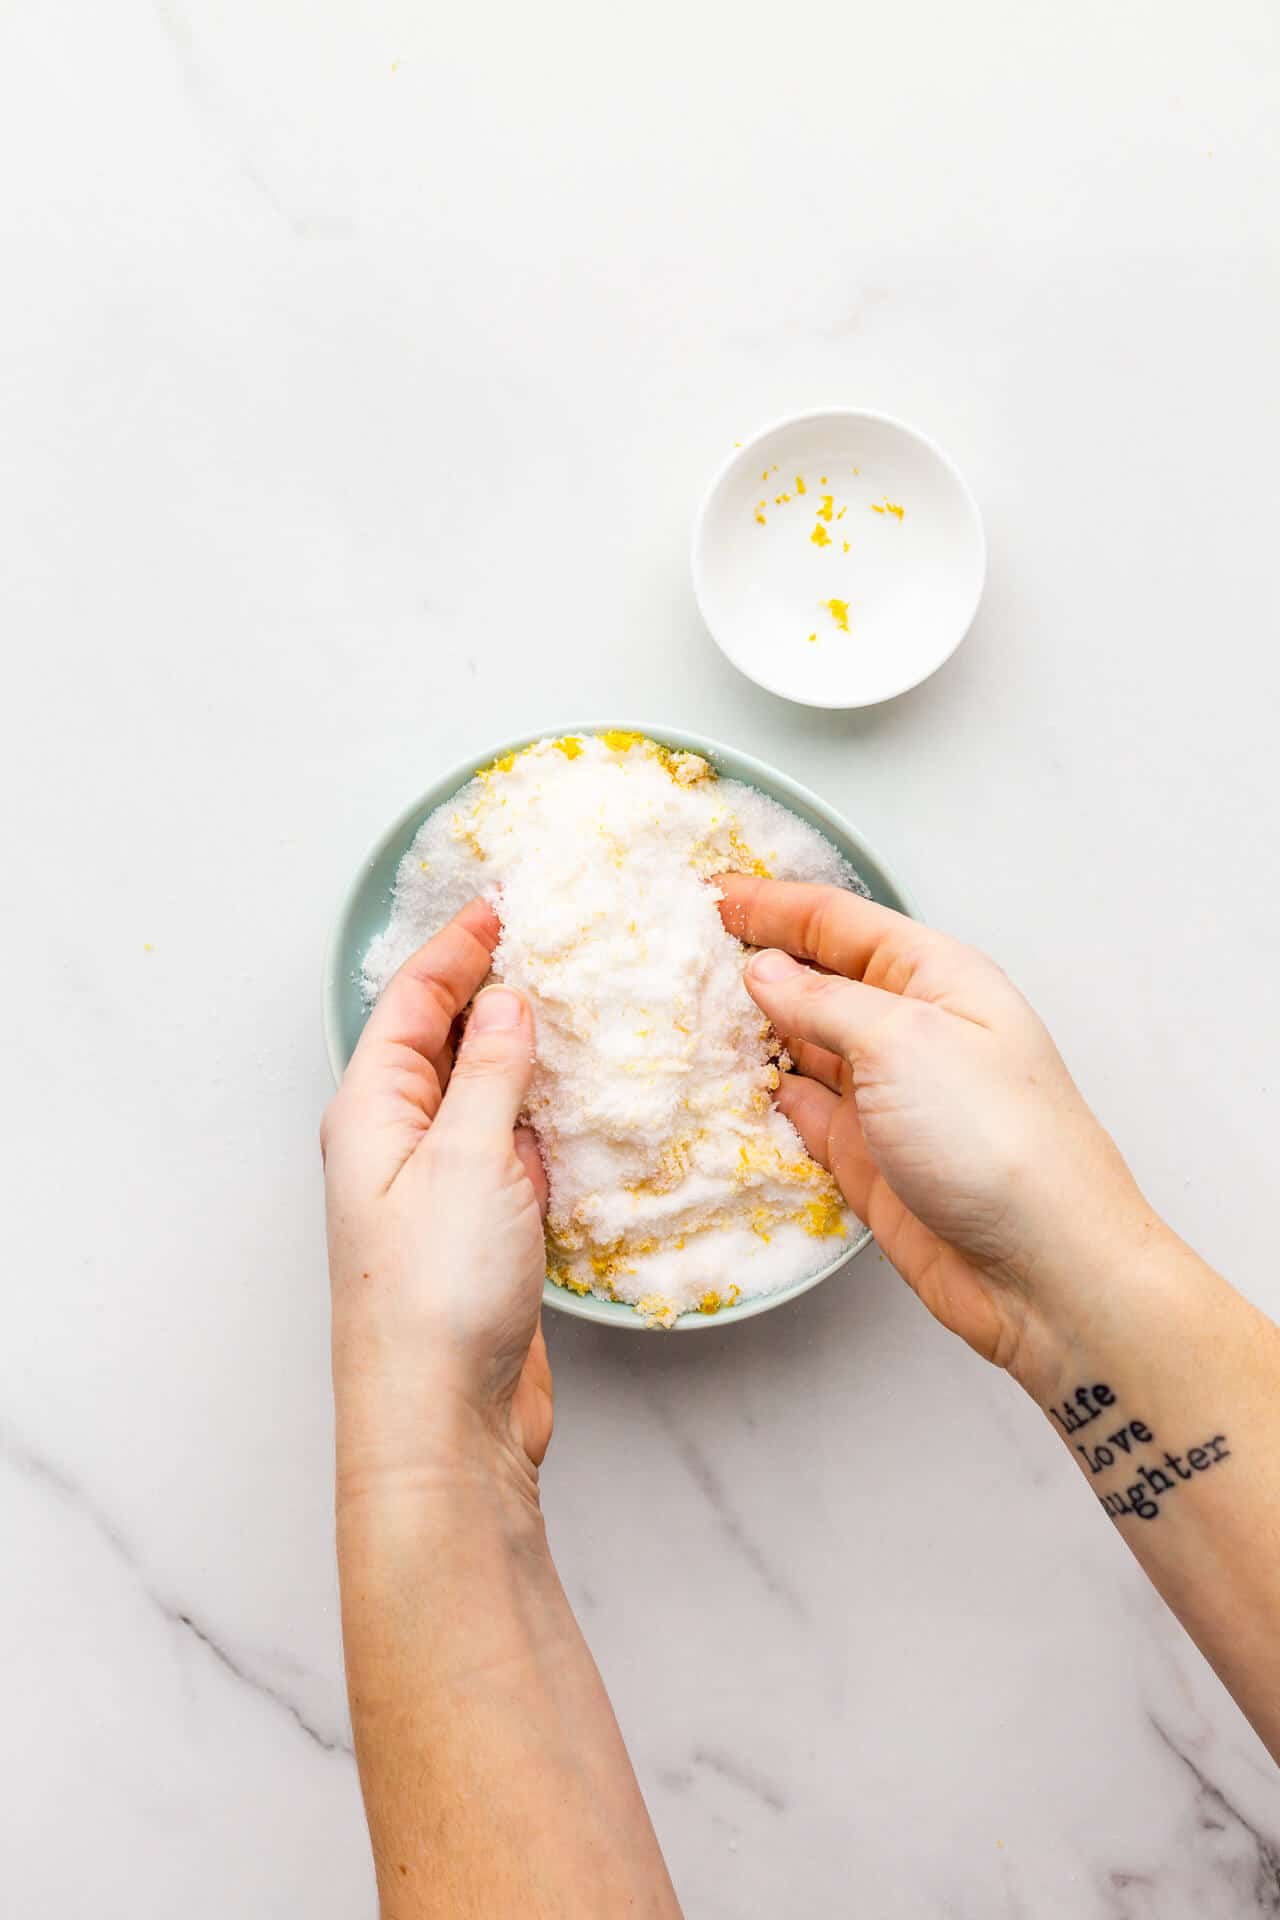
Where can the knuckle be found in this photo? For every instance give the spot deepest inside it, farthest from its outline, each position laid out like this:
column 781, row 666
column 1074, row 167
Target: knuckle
column 812, row 980
column 826, row 986
column 973, row 963
column 904, row 1028
column 822, row 918
column 915, row 1019
column 910, row 1036
column 452, row 1155
column 487, row 1057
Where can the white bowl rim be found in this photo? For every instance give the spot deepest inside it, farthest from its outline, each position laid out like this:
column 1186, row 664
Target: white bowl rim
column 804, row 418
column 406, row 823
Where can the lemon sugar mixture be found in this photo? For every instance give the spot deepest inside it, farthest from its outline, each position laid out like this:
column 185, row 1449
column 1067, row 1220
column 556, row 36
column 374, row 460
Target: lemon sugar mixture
column 675, row 1183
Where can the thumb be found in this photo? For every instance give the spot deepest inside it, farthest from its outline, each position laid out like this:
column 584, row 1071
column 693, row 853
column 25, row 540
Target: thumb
column 804, row 1005
column 492, row 1071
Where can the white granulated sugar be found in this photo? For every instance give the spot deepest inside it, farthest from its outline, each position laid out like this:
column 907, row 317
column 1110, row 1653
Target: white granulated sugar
column 675, row 1183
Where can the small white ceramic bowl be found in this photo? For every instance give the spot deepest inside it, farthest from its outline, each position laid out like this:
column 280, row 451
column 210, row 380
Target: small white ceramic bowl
column 833, row 517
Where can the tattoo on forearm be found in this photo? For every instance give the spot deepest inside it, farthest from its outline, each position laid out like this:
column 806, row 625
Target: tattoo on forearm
column 1154, row 1480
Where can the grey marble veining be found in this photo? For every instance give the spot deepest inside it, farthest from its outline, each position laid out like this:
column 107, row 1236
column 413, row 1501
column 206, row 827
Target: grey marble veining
column 252, row 1668
column 361, row 370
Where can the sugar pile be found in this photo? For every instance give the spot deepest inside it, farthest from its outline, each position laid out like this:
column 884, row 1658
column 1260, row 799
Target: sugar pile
column 675, row 1183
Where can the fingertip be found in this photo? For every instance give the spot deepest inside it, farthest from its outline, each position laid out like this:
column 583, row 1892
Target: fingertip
column 810, row 1109
column 493, row 1065
column 785, row 1093
column 736, row 890
column 496, row 1009
column 772, row 965
column 420, row 1003
column 804, row 1003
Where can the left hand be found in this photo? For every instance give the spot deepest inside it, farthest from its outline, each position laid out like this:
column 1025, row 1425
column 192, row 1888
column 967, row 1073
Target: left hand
column 434, row 1202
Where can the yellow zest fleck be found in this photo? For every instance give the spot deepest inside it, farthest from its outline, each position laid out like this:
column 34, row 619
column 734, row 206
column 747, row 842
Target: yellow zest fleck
column 813, row 636
column 147, row 947
column 842, row 513
column 765, row 474
column 686, row 769
column 733, row 1296
column 839, row 611
column 395, row 66
column 570, row 746
column 656, row 1311
column 618, row 741
column 710, row 1302
column 823, row 481
column 760, row 517
column 502, row 765
column 857, row 469
column 846, row 546
column 823, row 1218
column 896, row 511
column 780, row 500
column 820, row 537
column 824, row 511
column 875, row 508
column 745, row 859
column 761, row 1220
column 737, row 443
column 800, row 486
column 562, row 1277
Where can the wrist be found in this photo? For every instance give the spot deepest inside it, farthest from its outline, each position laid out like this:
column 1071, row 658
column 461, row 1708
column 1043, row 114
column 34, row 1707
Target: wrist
column 446, row 1581
column 429, row 1446
column 1103, row 1275
column 427, row 1528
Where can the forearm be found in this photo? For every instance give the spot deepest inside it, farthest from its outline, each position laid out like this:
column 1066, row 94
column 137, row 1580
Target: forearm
column 1166, row 1391
column 494, row 1774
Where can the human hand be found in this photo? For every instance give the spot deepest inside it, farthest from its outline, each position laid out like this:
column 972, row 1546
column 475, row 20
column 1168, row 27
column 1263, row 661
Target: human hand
column 493, row 1771
column 433, row 1202
column 934, row 1094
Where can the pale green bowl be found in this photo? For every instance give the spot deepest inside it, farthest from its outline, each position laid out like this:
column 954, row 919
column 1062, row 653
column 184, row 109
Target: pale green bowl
column 367, row 907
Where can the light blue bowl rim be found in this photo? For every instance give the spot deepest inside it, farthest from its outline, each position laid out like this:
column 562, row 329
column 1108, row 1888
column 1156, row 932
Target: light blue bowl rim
column 733, row 764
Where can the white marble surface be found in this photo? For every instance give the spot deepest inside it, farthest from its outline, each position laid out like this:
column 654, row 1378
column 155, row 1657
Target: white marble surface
column 360, row 369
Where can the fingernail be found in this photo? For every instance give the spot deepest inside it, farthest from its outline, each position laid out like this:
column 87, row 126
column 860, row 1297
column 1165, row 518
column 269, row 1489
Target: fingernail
column 494, row 1008
column 771, row 965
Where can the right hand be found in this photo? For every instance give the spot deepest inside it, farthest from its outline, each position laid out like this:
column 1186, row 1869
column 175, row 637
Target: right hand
column 933, row 1093
column 434, row 1201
